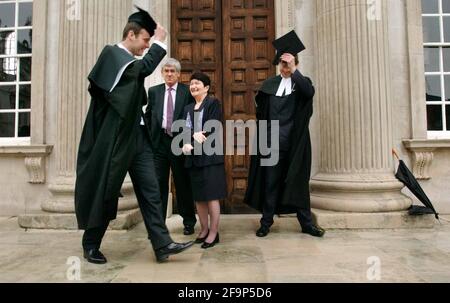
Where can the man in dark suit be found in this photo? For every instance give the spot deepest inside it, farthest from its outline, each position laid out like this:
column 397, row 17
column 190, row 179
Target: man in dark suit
column 115, row 141
column 166, row 103
column 283, row 188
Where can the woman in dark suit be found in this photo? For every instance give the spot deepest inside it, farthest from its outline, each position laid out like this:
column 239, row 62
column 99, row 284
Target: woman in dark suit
column 207, row 170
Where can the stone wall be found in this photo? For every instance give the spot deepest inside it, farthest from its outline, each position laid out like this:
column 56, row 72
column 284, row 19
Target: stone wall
column 17, row 195
column 438, row 187
column 431, row 162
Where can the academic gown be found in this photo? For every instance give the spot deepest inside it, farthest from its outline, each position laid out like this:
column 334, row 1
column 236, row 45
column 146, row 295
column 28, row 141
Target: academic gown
column 295, row 193
column 108, row 141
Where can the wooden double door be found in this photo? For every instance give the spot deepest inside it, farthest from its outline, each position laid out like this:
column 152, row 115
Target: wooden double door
column 230, row 40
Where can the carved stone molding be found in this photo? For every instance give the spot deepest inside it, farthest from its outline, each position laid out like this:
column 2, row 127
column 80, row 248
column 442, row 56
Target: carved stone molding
column 36, row 169
column 423, row 155
column 35, row 159
column 422, row 163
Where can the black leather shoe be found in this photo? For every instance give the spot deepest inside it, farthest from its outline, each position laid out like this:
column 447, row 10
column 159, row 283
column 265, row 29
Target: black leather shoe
column 201, row 240
column 94, row 256
column 314, row 231
column 207, row 245
column 188, row 230
column 163, row 254
column 263, row 231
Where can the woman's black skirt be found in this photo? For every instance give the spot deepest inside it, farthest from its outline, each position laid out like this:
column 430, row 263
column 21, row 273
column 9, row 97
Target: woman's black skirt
column 208, row 183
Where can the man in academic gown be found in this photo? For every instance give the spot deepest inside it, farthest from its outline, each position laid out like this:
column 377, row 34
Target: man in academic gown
column 166, row 103
column 284, row 188
column 115, row 140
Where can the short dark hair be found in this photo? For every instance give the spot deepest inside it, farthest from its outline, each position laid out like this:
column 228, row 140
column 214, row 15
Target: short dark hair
column 201, row 77
column 131, row 26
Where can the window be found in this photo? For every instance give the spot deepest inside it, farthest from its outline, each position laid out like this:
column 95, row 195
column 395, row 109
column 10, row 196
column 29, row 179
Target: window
column 15, row 70
column 436, row 29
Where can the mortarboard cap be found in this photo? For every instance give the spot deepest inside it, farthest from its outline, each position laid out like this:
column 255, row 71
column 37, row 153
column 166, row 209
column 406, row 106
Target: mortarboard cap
column 144, row 19
column 289, row 43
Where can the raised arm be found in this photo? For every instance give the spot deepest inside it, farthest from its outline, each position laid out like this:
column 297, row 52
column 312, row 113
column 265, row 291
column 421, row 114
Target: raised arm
column 304, row 84
column 152, row 59
column 157, row 52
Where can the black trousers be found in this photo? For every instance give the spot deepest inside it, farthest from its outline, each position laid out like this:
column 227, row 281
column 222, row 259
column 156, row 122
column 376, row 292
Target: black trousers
column 165, row 160
column 273, row 190
column 142, row 173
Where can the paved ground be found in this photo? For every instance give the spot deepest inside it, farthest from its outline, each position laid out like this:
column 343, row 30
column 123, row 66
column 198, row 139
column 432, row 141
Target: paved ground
column 284, row 256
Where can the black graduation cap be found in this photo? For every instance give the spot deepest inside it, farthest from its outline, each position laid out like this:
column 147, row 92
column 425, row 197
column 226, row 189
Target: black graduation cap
column 144, row 19
column 289, row 43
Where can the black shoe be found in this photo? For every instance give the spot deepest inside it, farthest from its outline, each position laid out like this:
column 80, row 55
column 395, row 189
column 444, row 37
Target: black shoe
column 163, row 254
column 201, row 240
column 188, row 230
column 207, row 245
column 314, row 231
column 263, row 231
column 94, row 256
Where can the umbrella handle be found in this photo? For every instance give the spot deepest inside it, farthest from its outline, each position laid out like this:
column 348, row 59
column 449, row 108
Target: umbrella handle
column 394, row 152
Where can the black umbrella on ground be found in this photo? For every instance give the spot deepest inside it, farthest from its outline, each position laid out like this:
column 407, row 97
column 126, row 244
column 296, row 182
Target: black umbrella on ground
column 405, row 176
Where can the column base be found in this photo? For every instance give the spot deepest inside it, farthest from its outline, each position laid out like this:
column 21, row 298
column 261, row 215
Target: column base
column 126, row 220
column 359, row 193
column 63, row 191
column 392, row 220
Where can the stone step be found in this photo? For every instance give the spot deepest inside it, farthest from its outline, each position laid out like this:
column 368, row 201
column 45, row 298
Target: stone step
column 336, row 220
column 326, row 219
column 125, row 221
column 391, row 220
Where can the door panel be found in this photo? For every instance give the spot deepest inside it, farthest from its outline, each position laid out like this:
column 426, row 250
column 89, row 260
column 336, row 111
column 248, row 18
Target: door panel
column 196, row 39
column 248, row 29
column 230, row 40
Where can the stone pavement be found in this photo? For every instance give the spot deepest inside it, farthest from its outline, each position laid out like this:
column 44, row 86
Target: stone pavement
column 286, row 255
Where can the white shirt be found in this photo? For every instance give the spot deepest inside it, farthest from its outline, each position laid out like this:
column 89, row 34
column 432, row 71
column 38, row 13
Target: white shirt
column 285, row 85
column 122, row 70
column 163, row 45
column 166, row 100
column 120, row 44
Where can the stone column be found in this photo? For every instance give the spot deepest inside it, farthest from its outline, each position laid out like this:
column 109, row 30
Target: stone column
column 284, row 16
column 86, row 26
column 354, row 103
column 160, row 11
